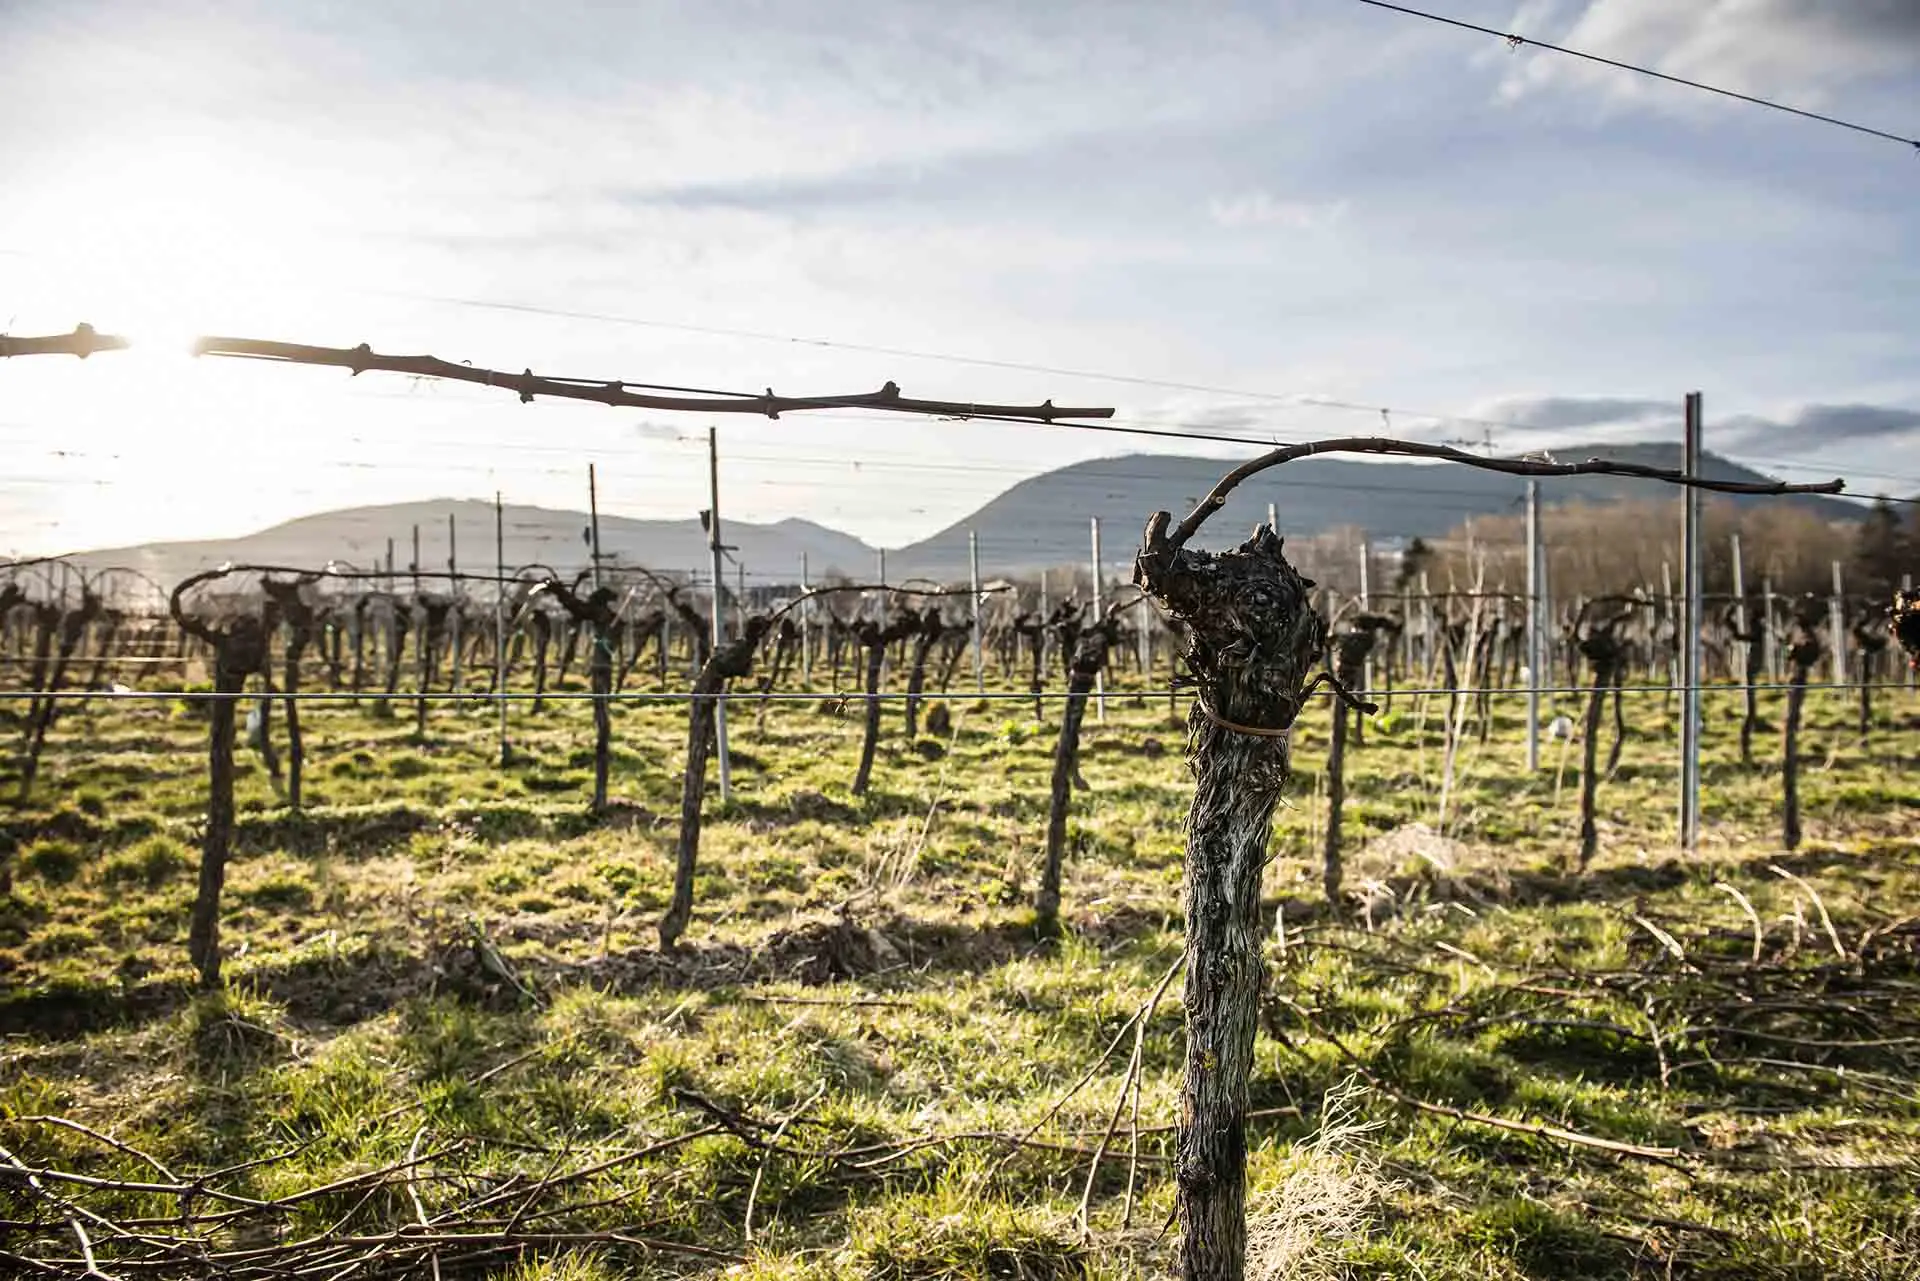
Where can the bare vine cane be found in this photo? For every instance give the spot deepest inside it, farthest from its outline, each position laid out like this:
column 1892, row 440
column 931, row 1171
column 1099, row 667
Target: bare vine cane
column 1254, row 647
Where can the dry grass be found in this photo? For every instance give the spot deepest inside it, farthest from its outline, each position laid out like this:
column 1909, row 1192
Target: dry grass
column 1307, row 1217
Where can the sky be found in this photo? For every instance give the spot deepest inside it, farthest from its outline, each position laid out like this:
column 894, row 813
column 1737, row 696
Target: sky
column 1212, row 217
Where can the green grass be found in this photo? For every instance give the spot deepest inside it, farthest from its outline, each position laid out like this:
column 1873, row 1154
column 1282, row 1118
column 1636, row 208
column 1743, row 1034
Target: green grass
column 869, row 968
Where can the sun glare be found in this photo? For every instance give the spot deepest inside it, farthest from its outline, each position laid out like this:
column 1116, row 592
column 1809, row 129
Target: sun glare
column 164, row 244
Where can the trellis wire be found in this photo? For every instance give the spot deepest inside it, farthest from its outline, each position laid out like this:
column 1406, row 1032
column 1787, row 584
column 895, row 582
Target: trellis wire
column 861, row 696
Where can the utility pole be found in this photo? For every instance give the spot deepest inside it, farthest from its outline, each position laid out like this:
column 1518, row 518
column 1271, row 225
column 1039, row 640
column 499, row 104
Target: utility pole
column 1690, row 637
column 1099, row 678
column 500, row 619
column 719, row 618
column 973, row 563
column 883, row 566
column 1536, row 624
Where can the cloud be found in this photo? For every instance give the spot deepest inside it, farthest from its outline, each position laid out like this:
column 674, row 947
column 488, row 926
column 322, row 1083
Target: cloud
column 1261, row 209
column 659, row 431
column 1562, row 413
column 1823, row 426
column 1797, row 49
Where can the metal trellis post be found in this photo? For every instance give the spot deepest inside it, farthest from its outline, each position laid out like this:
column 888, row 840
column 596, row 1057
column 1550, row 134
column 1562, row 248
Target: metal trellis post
column 1536, row 625
column 1690, row 637
column 500, row 618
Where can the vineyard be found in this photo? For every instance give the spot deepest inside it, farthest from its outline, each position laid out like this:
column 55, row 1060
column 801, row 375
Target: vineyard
column 775, row 644
column 493, row 973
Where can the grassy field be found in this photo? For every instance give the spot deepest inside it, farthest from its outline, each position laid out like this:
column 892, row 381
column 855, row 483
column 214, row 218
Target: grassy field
column 445, row 1017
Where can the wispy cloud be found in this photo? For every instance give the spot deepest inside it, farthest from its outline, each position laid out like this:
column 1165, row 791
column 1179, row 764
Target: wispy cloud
column 1801, row 50
column 1262, row 209
column 1561, row 413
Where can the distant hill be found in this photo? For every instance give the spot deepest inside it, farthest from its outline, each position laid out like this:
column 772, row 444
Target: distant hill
column 1045, row 520
column 1040, row 522
column 359, row 536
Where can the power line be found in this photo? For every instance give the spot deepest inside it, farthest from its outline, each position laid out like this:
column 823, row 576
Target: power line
column 1132, row 425
column 1516, row 41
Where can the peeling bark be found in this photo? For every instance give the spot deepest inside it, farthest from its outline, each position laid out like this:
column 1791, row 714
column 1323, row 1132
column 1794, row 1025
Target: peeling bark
column 1252, row 644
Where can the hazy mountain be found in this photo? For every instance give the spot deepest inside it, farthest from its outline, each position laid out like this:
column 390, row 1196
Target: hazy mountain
column 533, row 535
column 1043, row 521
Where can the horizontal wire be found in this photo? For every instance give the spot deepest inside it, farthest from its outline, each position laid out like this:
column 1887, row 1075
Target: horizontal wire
column 853, row 696
column 1517, row 42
